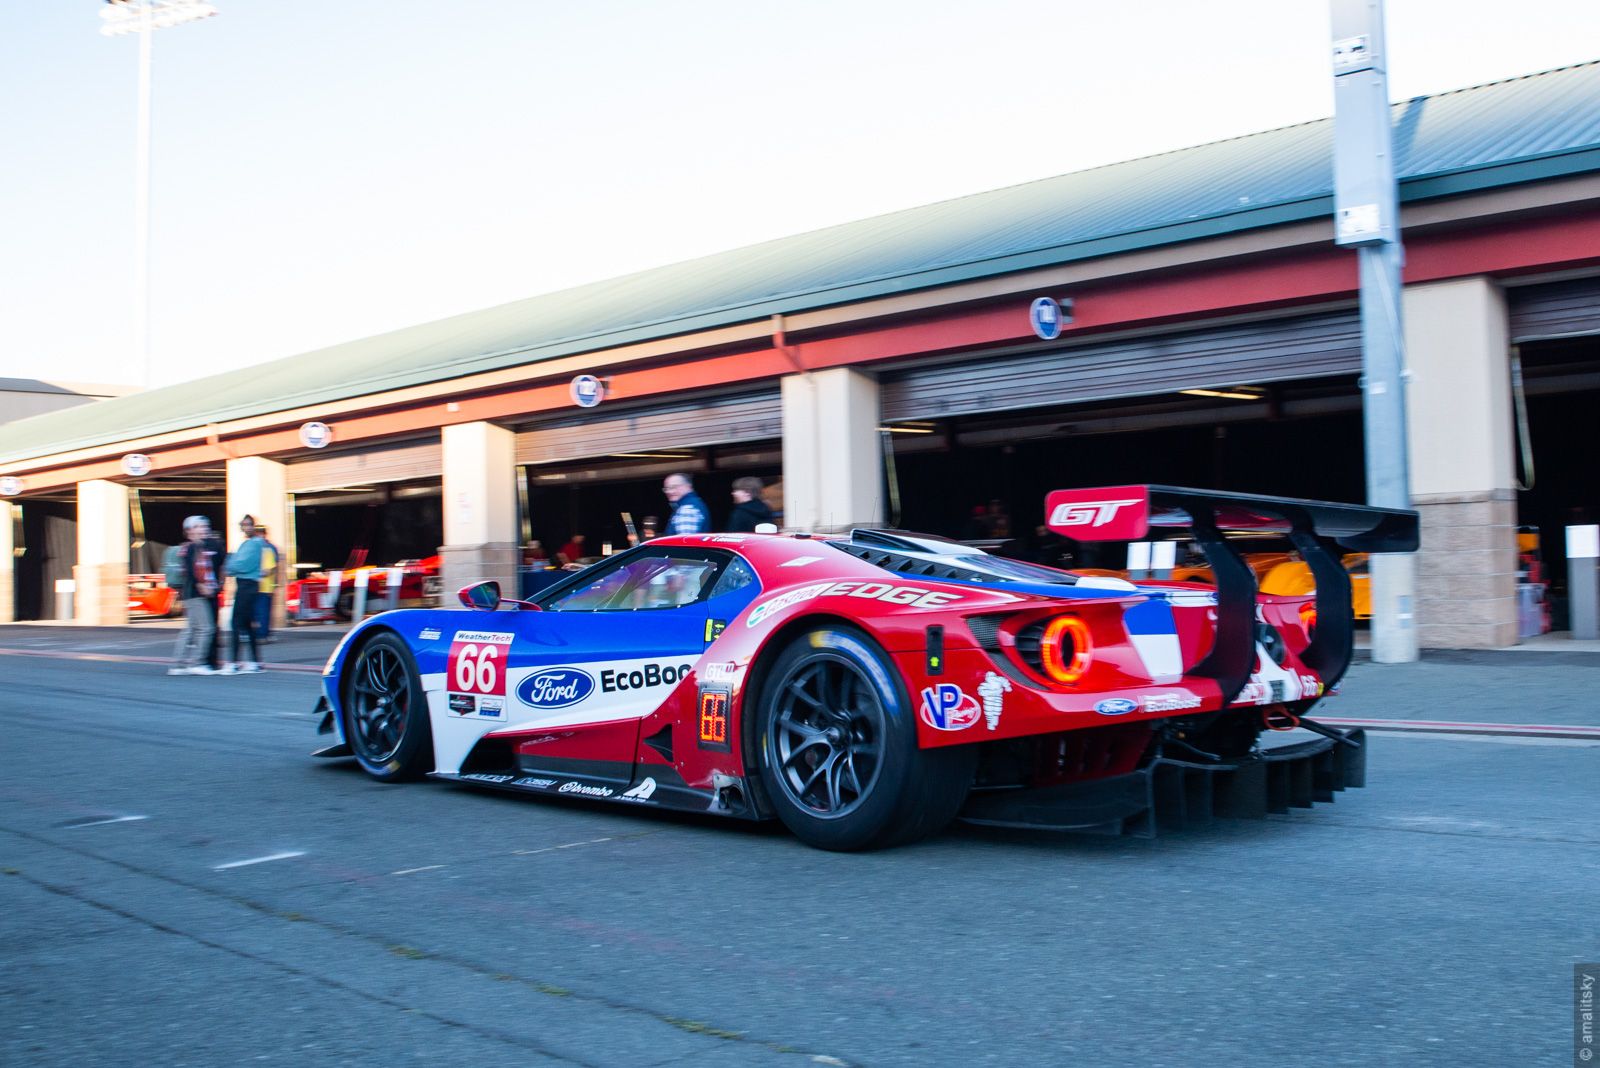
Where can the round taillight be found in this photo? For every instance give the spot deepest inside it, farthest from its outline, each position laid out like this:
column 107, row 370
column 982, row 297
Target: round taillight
column 1065, row 649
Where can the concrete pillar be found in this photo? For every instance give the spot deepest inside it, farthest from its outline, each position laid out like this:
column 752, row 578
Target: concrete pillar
column 480, row 508
column 257, row 487
column 832, row 454
column 1461, row 435
column 101, row 574
column 8, row 563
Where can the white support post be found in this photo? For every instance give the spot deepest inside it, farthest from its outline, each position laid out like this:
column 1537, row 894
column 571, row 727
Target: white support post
column 8, row 588
column 832, row 456
column 258, row 487
column 480, row 507
column 101, row 575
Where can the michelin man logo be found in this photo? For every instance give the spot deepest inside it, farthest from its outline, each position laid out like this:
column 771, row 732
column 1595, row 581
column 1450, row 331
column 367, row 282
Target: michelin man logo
column 992, row 691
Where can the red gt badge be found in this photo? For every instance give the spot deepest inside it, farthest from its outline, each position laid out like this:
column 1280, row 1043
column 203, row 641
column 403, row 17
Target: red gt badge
column 1109, row 513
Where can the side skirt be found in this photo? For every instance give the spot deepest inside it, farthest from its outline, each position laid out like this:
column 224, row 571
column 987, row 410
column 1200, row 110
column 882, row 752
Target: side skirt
column 652, row 786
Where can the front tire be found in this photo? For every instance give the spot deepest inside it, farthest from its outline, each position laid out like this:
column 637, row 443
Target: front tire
column 837, row 748
column 385, row 711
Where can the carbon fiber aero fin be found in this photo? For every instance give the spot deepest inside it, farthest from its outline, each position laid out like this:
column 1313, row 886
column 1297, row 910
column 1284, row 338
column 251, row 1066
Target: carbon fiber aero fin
column 1233, row 649
column 1126, row 513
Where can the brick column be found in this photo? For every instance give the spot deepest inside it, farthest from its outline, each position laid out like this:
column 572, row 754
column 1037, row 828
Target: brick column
column 1459, row 410
column 101, row 574
column 480, row 508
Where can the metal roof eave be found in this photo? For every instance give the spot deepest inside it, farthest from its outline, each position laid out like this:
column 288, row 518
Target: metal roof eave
column 1422, row 187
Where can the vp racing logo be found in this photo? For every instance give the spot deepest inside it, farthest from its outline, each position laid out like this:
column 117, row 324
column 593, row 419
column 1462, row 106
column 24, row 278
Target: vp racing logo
column 555, row 687
column 949, row 708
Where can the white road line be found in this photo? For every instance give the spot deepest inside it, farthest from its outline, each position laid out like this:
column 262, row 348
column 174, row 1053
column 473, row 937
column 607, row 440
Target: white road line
column 552, row 849
column 258, row 860
column 413, row 871
column 102, row 823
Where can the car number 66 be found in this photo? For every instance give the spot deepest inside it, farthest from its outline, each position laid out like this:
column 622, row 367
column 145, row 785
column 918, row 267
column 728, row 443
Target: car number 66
column 477, row 665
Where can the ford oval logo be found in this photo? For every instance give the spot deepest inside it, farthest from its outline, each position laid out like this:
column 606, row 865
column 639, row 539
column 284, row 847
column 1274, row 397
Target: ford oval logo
column 555, row 687
column 1116, row 706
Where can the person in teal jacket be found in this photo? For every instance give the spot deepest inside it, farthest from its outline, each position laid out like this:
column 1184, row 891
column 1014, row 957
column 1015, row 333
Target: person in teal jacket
column 245, row 568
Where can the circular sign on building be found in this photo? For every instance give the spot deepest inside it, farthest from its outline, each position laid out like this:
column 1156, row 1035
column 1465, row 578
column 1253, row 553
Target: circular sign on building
column 1045, row 315
column 10, row 486
column 315, row 435
column 136, row 465
column 587, row 391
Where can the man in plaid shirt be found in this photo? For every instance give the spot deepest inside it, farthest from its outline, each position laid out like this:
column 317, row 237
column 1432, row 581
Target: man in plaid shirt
column 689, row 512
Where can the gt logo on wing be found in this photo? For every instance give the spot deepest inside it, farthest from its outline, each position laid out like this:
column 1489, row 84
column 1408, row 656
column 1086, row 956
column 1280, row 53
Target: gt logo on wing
column 1087, row 513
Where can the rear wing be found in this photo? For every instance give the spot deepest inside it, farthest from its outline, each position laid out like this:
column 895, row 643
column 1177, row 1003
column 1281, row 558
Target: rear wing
column 1126, row 513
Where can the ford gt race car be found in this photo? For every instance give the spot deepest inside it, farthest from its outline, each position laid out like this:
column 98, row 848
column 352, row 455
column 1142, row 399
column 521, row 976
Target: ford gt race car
column 867, row 689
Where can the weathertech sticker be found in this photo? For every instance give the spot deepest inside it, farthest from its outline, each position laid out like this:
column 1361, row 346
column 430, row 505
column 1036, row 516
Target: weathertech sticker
column 477, row 662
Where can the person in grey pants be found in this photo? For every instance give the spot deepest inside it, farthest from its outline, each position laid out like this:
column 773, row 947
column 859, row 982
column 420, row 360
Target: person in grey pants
column 195, row 651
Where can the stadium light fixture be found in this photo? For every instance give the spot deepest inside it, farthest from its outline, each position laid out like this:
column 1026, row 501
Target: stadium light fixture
column 130, row 16
column 144, row 17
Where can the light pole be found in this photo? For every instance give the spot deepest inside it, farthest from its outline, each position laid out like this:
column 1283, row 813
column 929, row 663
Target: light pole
column 144, row 17
column 1367, row 218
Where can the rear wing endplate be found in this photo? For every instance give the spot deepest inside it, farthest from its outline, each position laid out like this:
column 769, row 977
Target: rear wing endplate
column 1126, row 513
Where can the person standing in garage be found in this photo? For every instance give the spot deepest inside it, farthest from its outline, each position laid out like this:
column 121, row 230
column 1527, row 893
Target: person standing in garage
column 245, row 567
column 200, row 567
column 749, row 510
column 689, row 513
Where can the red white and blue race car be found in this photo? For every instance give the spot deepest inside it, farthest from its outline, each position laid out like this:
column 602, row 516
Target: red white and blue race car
column 868, row 689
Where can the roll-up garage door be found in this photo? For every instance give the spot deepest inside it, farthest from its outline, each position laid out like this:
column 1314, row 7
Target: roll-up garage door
column 394, row 463
column 1276, row 350
column 603, row 432
column 1559, row 309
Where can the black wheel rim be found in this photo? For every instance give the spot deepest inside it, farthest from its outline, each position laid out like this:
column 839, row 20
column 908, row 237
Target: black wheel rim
column 380, row 703
column 827, row 736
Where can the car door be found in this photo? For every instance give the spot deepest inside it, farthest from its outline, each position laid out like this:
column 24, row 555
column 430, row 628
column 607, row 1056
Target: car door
column 612, row 647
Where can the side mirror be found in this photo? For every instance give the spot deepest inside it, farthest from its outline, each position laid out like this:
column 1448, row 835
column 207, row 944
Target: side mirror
column 481, row 596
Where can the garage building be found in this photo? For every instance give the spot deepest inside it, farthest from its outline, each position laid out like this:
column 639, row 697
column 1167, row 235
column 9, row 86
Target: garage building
column 888, row 370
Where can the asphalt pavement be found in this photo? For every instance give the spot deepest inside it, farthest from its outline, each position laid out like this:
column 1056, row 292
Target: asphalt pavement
column 181, row 884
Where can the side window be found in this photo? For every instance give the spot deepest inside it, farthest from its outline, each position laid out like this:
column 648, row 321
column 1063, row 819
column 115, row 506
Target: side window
column 736, row 576
column 658, row 580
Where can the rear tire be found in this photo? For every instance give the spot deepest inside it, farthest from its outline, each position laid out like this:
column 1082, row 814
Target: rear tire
column 837, row 748
column 385, row 711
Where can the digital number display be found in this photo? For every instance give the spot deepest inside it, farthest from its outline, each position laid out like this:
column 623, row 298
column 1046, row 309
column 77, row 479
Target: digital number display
column 714, row 720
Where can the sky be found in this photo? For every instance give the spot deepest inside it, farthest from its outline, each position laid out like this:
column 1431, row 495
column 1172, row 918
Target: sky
column 324, row 171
